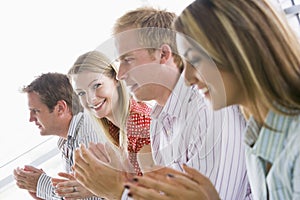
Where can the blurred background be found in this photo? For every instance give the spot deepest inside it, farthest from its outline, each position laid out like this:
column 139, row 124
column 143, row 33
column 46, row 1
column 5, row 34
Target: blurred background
column 47, row 36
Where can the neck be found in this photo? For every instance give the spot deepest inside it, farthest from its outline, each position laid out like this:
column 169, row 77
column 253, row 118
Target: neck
column 164, row 96
column 263, row 112
column 171, row 74
column 63, row 128
column 112, row 120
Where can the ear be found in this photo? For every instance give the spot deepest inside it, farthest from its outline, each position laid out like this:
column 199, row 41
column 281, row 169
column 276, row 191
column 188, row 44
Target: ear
column 61, row 107
column 166, row 53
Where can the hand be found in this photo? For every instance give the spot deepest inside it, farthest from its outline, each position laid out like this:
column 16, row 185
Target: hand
column 168, row 184
column 33, row 195
column 111, row 156
column 65, row 187
column 145, row 160
column 96, row 174
column 27, row 177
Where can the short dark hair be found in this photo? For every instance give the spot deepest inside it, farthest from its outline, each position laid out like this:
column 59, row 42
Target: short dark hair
column 53, row 87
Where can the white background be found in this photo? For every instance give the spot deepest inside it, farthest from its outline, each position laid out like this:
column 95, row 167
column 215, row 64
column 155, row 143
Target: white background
column 38, row 36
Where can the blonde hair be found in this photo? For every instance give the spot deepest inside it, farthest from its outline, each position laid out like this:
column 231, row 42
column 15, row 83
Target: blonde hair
column 97, row 62
column 148, row 17
column 254, row 42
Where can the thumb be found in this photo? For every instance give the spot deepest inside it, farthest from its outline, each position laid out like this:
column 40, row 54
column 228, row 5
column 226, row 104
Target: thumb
column 66, row 175
column 32, row 169
column 118, row 159
column 113, row 156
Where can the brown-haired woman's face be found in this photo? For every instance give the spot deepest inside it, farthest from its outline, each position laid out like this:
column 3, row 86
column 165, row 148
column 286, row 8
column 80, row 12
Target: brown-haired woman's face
column 97, row 93
column 218, row 86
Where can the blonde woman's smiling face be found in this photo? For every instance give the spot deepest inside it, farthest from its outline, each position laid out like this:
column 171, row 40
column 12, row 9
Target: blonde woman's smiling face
column 97, row 93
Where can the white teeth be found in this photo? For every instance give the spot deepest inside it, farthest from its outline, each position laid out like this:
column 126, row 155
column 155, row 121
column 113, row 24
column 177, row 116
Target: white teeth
column 97, row 106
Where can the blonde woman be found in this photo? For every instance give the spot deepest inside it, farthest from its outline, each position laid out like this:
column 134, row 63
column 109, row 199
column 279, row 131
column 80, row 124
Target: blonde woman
column 124, row 121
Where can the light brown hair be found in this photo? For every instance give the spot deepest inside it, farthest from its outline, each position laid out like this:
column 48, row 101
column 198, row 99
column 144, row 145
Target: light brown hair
column 250, row 39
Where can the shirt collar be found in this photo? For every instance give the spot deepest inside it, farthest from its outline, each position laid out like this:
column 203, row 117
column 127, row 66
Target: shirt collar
column 72, row 129
column 74, row 124
column 173, row 105
column 268, row 142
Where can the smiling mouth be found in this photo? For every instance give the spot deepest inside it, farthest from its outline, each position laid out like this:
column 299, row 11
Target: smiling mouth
column 98, row 107
column 38, row 125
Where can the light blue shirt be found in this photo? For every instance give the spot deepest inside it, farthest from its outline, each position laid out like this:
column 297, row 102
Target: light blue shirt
column 281, row 148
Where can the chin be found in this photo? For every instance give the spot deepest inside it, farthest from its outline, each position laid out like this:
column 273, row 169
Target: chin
column 138, row 97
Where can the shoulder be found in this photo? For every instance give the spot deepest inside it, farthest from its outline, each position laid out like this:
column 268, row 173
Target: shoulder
column 137, row 107
column 293, row 134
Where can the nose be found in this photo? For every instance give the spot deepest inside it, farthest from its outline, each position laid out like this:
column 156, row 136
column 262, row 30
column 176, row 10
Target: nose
column 122, row 73
column 31, row 117
column 193, row 77
column 91, row 97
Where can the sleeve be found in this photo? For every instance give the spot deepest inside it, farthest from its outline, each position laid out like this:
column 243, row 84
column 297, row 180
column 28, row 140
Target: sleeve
column 125, row 195
column 295, row 129
column 44, row 189
column 138, row 130
column 138, row 133
column 89, row 132
column 296, row 179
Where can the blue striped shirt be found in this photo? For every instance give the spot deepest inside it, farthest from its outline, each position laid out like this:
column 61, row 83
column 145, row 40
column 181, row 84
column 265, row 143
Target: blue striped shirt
column 186, row 130
column 81, row 131
column 278, row 147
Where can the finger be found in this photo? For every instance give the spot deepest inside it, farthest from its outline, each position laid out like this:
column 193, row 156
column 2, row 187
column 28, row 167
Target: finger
column 31, row 168
column 20, row 175
column 139, row 192
column 87, row 155
column 165, row 171
column 67, row 184
column 183, row 181
column 55, row 181
column 196, row 175
column 114, row 157
column 80, row 167
column 99, row 151
column 66, row 175
column 158, row 184
column 16, row 173
column 65, row 191
column 80, row 163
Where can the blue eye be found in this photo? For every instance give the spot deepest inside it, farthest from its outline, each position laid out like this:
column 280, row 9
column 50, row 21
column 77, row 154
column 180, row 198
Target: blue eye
column 127, row 60
column 97, row 85
column 81, row 93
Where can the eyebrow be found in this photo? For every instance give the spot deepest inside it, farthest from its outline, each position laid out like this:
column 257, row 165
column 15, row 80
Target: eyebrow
column 92, row 82
column 125, row 55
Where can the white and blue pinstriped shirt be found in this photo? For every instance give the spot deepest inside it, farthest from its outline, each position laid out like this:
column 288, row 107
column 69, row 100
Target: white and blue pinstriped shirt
column 186, row 130
column 81, row 131
column 278, row 147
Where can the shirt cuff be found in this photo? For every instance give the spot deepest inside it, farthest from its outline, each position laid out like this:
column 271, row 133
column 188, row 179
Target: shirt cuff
column 44, row 189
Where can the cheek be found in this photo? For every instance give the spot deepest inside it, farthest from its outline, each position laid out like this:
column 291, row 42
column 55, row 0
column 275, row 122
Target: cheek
column 83, row 102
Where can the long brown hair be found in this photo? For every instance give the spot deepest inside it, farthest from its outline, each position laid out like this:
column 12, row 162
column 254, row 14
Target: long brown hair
column 252, row 40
